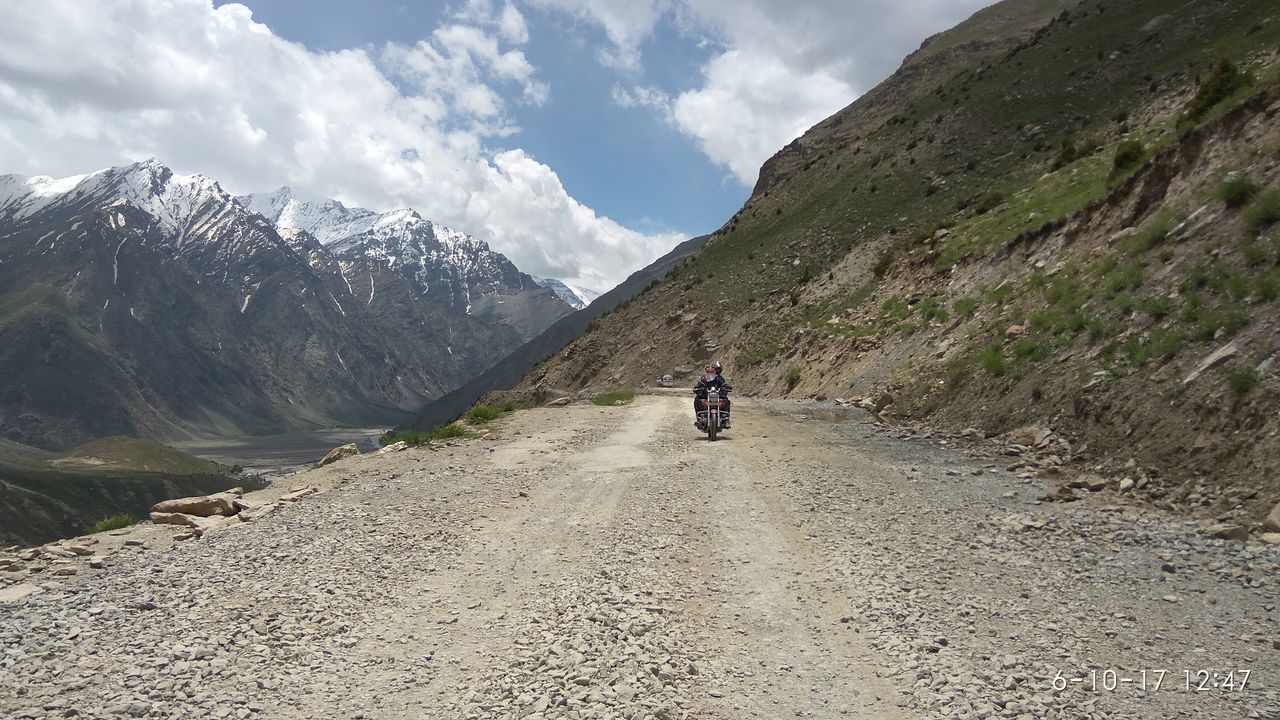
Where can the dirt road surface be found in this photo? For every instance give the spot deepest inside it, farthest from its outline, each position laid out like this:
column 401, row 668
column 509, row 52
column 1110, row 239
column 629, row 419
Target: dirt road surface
column 609, row 562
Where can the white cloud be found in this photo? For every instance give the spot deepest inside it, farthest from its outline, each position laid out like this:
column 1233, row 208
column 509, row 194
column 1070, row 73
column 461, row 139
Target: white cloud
column 780, row 65
column 526, row 203
column 646, row 97
column 87, row 85
column 626, row 24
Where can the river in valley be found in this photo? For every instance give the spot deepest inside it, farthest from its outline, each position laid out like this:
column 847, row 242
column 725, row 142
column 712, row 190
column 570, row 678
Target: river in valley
column 274, row 456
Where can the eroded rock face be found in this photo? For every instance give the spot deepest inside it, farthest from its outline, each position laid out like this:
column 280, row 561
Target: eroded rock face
column 340, row 452
column 223, row 503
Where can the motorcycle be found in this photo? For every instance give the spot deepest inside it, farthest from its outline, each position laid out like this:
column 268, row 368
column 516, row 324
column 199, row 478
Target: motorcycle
column 711, row 414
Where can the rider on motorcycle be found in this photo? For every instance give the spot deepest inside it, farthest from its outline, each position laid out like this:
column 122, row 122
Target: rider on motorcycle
column 708, row 380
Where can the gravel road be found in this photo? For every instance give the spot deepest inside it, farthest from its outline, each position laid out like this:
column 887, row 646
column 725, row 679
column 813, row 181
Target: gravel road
column 589, row 562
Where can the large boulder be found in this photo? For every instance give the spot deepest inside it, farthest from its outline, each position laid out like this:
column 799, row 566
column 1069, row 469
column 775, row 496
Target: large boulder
column 340, row 452
column 205, row 525
column 393, row 447
column 1273, row 520
column 296, row 494
column 15, row 593
column 1226, row 531
column 223, row 503
column 200, row 525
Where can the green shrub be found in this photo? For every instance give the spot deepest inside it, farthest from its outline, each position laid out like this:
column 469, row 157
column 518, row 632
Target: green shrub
column 1208, row 322
column 1100, row 329
column 1266, row 286
column 451, row 430
column 1000, row 293
column 1241, row 380
column 1153, row 232
column 1068, row 154
column 964, row 306
column 1252, row 253
column 992, row 360
column 1224, row 80
column 957, row 373
column 1163, row 344
column 1029, row 349
column 884, row 262
column 1237, row 190
column 1045, row 319
column 988, row 202
column 1264, row 212
column 416, row 437
column 1129, row 154
column 895, row 309
column 1158, row 308
column 482, row 414
column 792, row 377
column 614, row 397
column 930, row 309
column 1125, row 277
column 1066, row 292
column 115, row 522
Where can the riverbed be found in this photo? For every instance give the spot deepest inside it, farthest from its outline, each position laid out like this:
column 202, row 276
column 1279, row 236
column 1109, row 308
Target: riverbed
column 274, row 456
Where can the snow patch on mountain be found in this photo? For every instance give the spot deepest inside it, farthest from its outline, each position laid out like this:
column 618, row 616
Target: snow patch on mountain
column 326, row 220
column 400, row 240
column 576, row 297
column 184, row 205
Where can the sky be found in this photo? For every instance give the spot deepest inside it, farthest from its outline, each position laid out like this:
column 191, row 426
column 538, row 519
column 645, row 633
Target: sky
column 581, row 138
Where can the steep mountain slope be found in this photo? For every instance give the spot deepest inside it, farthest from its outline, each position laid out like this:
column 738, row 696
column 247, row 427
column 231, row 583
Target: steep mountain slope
column 139, row 302
column 1052, row 214
column 507, row 373
column 44, row 497
column 444, row 266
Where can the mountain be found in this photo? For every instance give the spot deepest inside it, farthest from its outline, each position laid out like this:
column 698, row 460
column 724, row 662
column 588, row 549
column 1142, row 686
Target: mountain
column 1060, row 215
column 44, row 496
column 576, row 297
column 444, row 266
column 135, row 301
column 507, row 373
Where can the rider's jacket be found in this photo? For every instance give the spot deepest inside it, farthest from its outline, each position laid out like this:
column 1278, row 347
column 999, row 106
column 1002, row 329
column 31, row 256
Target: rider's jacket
column 703, row 385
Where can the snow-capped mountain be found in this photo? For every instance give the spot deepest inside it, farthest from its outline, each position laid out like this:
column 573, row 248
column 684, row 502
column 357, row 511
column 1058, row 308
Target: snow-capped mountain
column 326, row 220
column 137, row 301
column 575, row 296
column 447, row 266
column 184, row 206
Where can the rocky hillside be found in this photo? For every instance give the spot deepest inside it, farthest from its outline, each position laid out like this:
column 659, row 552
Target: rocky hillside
column 135, row 301
column 1058, row 215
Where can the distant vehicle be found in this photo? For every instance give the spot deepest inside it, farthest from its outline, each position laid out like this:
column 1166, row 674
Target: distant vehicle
column 667, row 380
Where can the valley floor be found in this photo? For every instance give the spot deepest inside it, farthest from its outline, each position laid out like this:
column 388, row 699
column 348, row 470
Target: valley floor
column 610, row 563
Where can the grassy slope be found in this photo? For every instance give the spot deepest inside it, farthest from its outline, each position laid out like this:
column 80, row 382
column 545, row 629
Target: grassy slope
column 43, row 498
column 844, row 220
